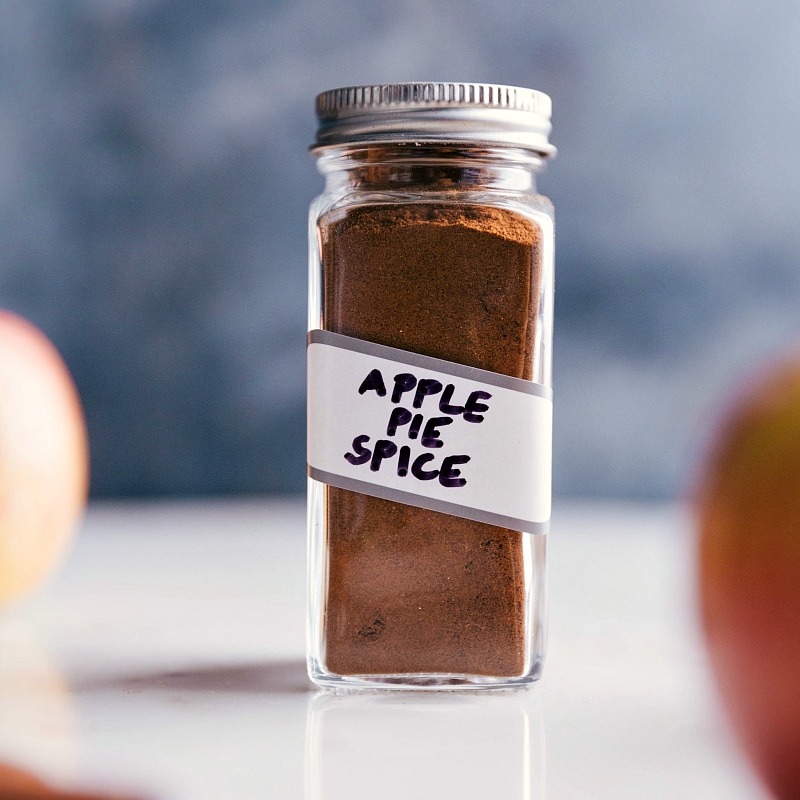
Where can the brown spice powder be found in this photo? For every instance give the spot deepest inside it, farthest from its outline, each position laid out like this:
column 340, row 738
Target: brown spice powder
column 411, row 590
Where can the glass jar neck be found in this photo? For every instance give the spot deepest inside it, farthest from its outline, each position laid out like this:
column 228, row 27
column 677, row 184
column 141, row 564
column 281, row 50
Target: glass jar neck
column 429, row 167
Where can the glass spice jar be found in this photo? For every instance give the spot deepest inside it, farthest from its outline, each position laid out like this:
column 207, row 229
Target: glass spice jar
column 429, row 387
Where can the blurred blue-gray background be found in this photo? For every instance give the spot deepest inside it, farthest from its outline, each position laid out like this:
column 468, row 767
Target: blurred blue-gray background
column 154, row 181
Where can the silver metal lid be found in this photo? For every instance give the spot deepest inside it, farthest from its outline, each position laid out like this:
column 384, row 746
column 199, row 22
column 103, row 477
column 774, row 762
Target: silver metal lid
column 482, row 113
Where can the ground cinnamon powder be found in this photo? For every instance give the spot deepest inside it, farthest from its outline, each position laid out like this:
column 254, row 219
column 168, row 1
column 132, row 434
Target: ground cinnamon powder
column 411, row 590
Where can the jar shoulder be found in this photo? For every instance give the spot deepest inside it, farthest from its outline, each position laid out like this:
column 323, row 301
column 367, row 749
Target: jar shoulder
column 330, row 205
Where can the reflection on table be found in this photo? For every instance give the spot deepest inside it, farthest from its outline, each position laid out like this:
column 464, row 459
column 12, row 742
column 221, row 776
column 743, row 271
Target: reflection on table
column 425, row 745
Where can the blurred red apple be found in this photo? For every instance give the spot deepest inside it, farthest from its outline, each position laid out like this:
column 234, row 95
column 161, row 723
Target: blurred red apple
column 748, row 506
column 17, row 784
column 43, row 457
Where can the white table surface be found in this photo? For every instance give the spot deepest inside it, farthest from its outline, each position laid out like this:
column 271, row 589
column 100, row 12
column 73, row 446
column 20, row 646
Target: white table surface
column 167, row 658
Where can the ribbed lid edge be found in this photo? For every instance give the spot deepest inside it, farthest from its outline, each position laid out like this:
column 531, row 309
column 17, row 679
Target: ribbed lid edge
column 435, row 111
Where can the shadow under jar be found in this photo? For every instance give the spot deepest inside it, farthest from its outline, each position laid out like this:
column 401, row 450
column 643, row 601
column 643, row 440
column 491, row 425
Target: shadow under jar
column 429, row 241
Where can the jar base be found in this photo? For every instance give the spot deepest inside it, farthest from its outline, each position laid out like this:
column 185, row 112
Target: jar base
column 429, row 681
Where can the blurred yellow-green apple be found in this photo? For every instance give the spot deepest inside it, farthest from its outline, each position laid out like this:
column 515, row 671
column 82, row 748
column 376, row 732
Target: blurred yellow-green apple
column 43, row 457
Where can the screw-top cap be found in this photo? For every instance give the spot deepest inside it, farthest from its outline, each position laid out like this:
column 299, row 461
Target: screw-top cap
column 481, row 113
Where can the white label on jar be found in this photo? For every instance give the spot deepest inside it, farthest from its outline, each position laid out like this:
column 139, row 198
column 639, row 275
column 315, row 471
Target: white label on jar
column 428, row 432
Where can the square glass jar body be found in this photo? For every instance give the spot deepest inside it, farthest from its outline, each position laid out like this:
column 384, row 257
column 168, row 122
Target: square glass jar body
column 446, row 252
